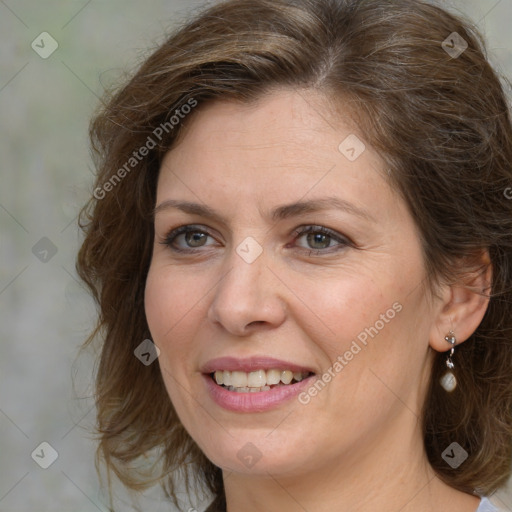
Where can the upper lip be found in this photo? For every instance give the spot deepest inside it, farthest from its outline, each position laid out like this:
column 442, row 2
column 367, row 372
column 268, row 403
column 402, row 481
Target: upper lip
column 251, row 364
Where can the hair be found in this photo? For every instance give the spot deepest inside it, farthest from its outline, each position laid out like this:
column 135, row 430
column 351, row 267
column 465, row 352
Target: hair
column 441, row 124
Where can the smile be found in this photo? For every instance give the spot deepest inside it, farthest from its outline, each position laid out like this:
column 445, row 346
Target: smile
column 256, row 381
column 254, row 384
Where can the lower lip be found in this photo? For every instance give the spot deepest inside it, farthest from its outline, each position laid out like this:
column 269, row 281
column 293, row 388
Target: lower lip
column 254, row 402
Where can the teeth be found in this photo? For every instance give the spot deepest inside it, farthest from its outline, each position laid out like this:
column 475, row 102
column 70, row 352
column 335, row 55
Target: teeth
column 249, row 390
column 273, row 377
column 239, row 379
column 286, row 376
column 259, row 380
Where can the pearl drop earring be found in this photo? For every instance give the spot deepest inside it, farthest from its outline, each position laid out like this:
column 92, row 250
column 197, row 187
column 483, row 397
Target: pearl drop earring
column 448, row 380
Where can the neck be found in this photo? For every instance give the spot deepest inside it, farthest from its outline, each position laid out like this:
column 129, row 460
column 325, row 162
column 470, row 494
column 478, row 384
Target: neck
column 375, row 475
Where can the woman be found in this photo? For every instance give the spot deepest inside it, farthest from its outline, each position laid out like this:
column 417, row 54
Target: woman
column 300, row 241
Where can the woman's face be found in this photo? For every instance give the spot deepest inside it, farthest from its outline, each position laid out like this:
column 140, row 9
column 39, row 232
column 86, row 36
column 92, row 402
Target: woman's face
column 298, row 262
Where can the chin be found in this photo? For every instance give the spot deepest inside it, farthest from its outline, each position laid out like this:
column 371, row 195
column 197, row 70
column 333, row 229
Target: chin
column 250, row 452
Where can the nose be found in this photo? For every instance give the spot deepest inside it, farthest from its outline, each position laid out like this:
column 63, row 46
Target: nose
column 247, row 298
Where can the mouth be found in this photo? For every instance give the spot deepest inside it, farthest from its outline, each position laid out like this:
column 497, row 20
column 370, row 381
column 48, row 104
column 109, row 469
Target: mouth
column 258, row 380
column 254, row 384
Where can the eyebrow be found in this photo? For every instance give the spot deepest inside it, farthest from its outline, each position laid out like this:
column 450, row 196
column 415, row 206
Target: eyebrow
column 280, row 213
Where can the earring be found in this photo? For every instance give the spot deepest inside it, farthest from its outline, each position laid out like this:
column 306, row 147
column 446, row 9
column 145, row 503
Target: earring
column 448, row 380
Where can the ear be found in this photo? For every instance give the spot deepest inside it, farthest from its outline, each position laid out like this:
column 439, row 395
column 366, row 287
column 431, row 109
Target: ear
column 462, row 305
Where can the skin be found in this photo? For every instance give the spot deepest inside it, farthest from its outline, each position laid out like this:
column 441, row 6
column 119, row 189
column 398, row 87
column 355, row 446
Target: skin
column 357, row 444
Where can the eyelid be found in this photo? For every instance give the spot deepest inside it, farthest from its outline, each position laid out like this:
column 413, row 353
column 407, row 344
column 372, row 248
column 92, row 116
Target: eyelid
column 342, row 240
column 315, row 228
column 173, row 233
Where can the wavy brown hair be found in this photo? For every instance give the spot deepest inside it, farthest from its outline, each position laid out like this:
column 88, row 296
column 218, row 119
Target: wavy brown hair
column 440, row 122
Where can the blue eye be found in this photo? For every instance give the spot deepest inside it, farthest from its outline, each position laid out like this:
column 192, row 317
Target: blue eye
column 192, row 236
column 195, row 238
column 319, row 238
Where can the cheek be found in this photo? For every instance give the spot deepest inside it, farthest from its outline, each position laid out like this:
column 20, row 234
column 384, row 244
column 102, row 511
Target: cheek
column 368, row 318
column 340, row 306
column 171, row 299
column 159, row 299
column 172, row 305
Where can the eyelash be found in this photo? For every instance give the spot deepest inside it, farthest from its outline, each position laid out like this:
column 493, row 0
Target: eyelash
column 342, row 241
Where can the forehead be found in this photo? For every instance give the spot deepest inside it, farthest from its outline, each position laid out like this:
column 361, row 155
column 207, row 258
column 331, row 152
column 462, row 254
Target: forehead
column 282, row 118
column 285, row 146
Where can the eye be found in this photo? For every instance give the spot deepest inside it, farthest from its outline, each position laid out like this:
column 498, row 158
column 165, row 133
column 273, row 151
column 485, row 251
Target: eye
column 319, row 238
column 187, row 238
column 195, row 238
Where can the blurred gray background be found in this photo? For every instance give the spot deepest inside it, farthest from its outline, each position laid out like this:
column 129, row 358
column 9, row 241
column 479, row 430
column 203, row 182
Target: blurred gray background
column 46, row 101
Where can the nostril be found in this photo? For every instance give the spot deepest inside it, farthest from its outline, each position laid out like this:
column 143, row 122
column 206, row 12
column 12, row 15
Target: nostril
column 256, row 322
